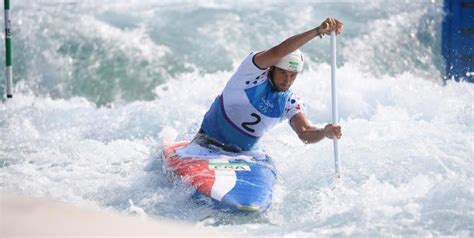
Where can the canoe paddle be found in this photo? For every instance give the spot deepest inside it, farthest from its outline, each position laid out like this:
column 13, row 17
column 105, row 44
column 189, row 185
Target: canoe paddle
column 334, row 102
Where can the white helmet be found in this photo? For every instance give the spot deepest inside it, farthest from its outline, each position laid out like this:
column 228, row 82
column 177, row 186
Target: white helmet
column 292, row 62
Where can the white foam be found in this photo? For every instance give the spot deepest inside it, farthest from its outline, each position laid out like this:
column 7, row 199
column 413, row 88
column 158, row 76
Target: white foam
column 403, row 137
column 406, row 150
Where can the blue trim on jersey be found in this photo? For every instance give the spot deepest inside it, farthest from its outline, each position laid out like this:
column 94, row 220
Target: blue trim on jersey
column 230, row 122
column 267, row 101
column 263, row 98
column 217, row 126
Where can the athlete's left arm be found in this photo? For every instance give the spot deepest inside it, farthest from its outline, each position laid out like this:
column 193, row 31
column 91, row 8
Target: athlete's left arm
column 269, row 57
column 311, row 134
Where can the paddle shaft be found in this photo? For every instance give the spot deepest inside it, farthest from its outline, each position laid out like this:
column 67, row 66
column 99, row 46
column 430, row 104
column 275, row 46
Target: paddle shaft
column 334, row 101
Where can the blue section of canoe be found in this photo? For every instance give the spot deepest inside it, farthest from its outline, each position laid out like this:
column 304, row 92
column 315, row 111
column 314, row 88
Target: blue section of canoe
column 252, row 192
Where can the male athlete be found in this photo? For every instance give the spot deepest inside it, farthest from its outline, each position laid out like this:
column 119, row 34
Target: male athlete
column 258, row 96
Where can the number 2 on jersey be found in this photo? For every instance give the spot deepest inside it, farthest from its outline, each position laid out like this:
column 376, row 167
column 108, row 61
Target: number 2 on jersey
column 246, row 125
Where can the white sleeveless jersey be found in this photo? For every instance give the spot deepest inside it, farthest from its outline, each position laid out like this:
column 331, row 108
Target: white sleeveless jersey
column 248, row 107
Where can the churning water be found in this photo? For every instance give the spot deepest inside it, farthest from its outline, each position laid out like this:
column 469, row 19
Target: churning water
column 100, row 85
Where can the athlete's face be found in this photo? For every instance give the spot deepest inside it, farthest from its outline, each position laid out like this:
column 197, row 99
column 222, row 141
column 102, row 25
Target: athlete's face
column 283, row 79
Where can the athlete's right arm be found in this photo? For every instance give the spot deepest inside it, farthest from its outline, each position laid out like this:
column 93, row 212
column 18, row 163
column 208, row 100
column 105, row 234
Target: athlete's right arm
column 270, row 57
column 311, row 134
